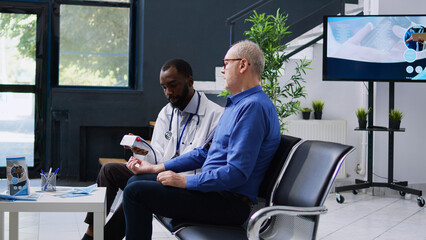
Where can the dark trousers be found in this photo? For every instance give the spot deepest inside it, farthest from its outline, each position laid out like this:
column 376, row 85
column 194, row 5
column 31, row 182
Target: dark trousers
column 113, row 176
column 143, row 197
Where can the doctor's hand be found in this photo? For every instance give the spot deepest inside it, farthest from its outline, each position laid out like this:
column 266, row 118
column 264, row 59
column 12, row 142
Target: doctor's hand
column 172, row 179
column 139, row 151
column 135, row 149
column 138, row 166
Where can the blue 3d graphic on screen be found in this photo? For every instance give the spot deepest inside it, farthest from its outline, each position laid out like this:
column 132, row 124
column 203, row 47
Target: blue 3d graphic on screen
column 375, row 48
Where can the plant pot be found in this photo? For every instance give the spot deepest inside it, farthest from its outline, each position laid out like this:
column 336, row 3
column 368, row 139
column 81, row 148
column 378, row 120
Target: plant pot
column 394, row 124
column 317, row 115
column 362, row 124
column 306, row 115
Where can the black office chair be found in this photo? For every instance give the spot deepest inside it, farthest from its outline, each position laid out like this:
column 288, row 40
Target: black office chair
column 286, row 145
column 296, row 202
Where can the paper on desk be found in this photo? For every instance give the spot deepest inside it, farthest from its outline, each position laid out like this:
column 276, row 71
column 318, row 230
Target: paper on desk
column 78, row 192
column 31, row 197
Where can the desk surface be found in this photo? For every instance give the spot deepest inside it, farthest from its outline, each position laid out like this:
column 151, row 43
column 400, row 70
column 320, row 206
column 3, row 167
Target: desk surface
column 50, row 203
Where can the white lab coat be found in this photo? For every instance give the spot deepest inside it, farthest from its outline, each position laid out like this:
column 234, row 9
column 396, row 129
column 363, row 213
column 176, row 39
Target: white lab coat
column 194, row 135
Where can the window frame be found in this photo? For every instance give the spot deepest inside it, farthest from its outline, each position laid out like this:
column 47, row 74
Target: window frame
column 41, row 9
column 56, row 41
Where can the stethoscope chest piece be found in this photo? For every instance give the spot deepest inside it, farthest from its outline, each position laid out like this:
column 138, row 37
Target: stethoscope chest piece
column 168, row 135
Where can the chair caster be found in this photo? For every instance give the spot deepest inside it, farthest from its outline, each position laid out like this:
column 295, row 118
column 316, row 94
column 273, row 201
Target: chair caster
column 339, row 198
column 402, row 193
column 355, row 191
column 420, row 201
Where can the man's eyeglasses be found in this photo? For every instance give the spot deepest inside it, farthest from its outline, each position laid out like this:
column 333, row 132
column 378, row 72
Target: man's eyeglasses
column 224, row 61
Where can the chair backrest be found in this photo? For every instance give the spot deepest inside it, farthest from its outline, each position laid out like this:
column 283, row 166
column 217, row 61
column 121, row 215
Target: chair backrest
column 287, row 143
column 304, row 181
column 281, row 155
column 308, row 176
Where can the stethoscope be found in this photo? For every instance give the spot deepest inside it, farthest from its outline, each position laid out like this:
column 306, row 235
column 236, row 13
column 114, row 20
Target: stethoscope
column 168, row 134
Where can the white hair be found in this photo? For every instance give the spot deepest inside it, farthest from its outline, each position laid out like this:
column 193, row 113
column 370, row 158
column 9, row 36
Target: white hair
column 252, row 52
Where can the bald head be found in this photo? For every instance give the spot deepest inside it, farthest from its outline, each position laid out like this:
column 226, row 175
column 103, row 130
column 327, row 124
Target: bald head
column 252, row 52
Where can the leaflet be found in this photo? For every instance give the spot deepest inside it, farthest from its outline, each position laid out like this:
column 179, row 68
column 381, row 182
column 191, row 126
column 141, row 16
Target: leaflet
column 31, row 197
column 78, row 192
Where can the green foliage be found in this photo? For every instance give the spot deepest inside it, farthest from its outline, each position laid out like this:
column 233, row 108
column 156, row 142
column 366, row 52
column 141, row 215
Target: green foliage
column 224, row 93
column 101, row 34
column 306, row 109
column 94, row 43
column 317, row 105
column 268, row 32
column 395, row 115
column 20, row 26
column 362, row 114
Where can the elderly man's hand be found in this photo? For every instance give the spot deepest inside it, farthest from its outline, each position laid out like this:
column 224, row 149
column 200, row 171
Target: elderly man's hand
column 172, row 179
column 138, row 166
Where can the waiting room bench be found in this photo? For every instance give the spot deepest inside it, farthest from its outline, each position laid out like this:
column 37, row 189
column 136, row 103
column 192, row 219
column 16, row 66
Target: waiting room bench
column 294, row 189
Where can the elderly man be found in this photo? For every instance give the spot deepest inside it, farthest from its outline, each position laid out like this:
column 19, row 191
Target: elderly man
column 181, row 125
column 232, row 167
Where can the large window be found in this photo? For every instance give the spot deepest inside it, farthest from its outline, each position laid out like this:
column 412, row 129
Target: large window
column 17, row 84
column 94, row 45
column 17, row 126
column 17, row 48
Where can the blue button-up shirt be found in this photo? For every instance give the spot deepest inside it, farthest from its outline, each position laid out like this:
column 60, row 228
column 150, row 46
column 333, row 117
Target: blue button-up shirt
column 246, row 138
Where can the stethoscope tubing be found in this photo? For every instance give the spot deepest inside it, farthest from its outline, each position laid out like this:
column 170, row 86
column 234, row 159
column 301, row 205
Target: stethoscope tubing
column 196, row 113
column 186, row 124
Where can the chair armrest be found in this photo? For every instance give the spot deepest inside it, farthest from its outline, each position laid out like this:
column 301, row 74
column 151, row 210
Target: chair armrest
column 256, row 220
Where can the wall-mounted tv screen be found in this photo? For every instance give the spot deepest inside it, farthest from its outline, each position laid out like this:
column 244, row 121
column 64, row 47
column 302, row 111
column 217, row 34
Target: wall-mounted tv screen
column 375, row 48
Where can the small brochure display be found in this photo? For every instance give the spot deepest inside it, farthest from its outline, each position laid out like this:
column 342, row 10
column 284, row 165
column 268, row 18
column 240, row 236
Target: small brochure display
column 17, row 176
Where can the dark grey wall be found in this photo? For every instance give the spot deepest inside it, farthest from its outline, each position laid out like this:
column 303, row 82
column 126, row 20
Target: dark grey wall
column 191, row 29
column 196, row 30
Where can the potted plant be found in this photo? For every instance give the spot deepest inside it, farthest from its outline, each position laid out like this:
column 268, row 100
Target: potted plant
column 306, row 113
column 269, row 32
column 395, row 117
column 317, row 105
column 362, row 114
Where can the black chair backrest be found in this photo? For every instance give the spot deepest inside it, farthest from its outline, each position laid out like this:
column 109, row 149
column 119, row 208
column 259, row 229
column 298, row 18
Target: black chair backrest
column 309, row 174
column 286, row 145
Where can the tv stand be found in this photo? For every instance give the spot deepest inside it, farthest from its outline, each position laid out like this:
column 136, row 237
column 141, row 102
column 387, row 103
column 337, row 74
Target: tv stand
column 400, row 186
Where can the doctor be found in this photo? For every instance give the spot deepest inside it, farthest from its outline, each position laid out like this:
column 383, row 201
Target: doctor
column 182, row 125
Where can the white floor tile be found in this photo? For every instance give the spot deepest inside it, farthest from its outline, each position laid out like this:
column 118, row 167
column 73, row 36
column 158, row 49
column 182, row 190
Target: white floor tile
column 367, row 217
column 361, row 216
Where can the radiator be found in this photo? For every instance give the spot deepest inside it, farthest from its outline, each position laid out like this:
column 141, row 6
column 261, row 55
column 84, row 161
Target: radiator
column 326, row 130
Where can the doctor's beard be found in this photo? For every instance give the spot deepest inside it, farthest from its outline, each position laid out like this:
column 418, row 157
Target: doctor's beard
column 181, row 103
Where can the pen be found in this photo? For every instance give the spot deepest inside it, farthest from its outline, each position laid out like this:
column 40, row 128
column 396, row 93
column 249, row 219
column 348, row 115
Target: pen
column 56, row 171
column 43, row 172
column 50, row 172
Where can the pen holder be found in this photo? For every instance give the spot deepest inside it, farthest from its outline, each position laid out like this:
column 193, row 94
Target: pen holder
column 48, row 184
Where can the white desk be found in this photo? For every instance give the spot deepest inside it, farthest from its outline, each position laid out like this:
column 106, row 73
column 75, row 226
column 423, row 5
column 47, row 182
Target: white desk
column 48, row 203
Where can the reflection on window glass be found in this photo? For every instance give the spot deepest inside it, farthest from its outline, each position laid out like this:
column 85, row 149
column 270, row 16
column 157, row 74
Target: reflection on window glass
column 17, row 126
column 94, row 46
column 17, row 48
